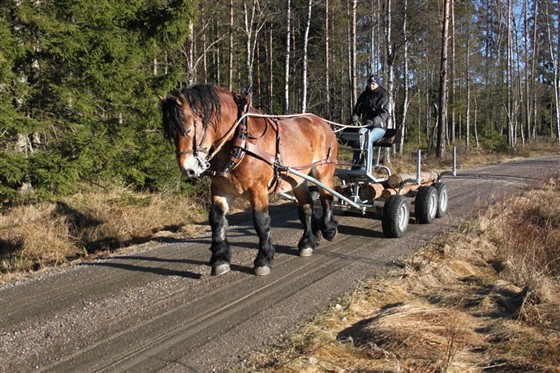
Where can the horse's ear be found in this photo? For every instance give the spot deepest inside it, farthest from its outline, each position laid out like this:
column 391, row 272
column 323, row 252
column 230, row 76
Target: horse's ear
column 181, row 100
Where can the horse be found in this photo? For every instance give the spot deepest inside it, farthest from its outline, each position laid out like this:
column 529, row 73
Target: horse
column 246, row 154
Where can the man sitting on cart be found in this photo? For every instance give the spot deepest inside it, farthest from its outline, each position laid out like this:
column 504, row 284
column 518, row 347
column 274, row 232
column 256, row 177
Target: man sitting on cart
column 371, row 110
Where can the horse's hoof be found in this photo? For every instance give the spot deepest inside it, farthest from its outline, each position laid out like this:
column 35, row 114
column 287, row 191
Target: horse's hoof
column 306, row 252
column 262, row 271
column 220, row 269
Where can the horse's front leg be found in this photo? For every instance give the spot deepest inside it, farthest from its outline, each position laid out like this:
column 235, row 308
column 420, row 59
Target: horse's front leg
column 261, row 221
column 221, row 252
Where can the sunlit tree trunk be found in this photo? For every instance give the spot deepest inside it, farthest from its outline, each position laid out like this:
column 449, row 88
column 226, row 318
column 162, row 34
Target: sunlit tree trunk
column 509, row 79
column 189, row 54
column 270, row 69
column 231, row 28
column 442, row 107
column 527, row 127
column 468, row 103
column 554, row 56
column 305, row 42
column 287, row 63
column 452, row 120
column 390, row 64
column 405, row 78
column 327, row 65
column 354, row 47
column 535, row 50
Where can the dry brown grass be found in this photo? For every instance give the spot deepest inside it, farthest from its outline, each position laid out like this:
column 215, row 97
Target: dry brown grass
column 481, row 298
column 90, row 224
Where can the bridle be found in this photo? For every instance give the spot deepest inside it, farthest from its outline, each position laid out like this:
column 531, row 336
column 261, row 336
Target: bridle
column 199, row 152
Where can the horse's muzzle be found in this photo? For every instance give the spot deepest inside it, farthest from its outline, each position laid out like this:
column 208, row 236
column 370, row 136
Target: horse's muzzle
column 194, row 167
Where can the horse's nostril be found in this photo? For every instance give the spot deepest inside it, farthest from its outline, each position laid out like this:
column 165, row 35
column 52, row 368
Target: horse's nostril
column 190, row 173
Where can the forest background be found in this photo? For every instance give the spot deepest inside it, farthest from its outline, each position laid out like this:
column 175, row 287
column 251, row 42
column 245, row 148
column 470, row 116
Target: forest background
column 79, row 79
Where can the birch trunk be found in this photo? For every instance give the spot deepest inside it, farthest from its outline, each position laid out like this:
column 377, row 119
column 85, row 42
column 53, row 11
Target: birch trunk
column 230, row 67
column 405, row 73
column 353, row 71
column 327, row 66
column 442, row 110
column 287, row 66
column 305, row 42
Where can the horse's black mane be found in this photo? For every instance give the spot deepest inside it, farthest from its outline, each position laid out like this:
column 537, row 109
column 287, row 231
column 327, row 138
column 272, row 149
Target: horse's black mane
column 203, row 100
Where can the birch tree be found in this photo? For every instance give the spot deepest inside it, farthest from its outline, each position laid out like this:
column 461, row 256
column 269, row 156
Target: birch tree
column 405, row 76
column 288, row 51
column 353, row 51
column 554, row 56
column 305, row 43
column 442, row 113
column 327, row 62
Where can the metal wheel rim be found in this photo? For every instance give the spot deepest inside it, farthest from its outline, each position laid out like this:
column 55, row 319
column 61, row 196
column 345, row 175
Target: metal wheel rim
column 433, row 205
column 443, row 201
column 402, row 218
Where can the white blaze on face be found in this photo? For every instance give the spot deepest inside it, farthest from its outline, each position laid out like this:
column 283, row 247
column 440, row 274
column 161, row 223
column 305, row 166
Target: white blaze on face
column 191, row 167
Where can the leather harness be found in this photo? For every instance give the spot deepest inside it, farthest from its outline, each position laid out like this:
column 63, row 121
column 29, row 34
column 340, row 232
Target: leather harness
column 241, row 147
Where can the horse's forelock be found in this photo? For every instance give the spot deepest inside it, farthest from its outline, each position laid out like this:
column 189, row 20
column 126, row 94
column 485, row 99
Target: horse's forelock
column 204, row 101
column 172, row 118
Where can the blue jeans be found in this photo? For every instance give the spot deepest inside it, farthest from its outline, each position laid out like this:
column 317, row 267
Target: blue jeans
column 367, row 138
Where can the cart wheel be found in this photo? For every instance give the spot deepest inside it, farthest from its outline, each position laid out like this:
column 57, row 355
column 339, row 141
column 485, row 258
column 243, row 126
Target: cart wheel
column 426, row 204
column 443, row 199
column 396, row 213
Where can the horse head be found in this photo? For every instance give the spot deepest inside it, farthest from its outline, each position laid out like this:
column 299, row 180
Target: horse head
column 187, row 118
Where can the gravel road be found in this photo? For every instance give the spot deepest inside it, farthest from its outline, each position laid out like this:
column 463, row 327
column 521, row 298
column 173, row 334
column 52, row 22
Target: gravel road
column 158, row 310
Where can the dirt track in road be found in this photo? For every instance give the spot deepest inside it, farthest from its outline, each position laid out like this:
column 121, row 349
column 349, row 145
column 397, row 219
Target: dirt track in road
column 159, row 310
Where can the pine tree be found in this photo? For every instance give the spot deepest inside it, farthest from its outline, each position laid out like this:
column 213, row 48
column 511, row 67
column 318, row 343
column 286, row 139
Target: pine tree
column 86, row 89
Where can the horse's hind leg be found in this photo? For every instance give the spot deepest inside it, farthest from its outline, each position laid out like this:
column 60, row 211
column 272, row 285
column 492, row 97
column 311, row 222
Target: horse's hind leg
column 261, row 221
column 329, row 226
column 308, row 241
column 221, row 253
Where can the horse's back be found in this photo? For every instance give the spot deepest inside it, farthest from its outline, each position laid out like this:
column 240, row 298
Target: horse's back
column 307, row 139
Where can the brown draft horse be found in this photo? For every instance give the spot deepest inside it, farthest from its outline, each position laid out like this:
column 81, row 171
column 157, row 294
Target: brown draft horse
column 218, row 134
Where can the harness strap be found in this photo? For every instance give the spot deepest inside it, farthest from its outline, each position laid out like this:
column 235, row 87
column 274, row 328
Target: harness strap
column 241, row 147
column 240, row 139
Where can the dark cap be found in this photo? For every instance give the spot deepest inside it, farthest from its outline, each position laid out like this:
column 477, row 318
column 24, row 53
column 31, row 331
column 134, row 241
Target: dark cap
column 373, row 79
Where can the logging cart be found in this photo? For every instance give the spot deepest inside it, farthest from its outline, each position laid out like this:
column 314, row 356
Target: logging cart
column 374, row 188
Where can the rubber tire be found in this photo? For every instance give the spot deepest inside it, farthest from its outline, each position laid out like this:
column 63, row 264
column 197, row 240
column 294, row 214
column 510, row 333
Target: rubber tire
column 426, row 205
column 443, row 199
column 396, row 213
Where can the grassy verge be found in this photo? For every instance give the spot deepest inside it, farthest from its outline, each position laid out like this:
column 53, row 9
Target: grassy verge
column 482, row 298
column 90, row 224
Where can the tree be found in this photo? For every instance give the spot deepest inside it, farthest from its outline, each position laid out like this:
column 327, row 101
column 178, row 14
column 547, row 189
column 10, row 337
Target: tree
column 84, row 82
column 442, row 113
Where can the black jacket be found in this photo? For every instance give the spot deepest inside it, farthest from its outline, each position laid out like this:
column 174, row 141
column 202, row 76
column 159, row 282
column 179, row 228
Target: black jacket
column 372, row 108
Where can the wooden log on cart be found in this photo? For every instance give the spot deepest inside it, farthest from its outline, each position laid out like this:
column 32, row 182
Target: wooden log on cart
column 395, row 181
column 426, row 178
column 388, row 192
column 371, row 192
